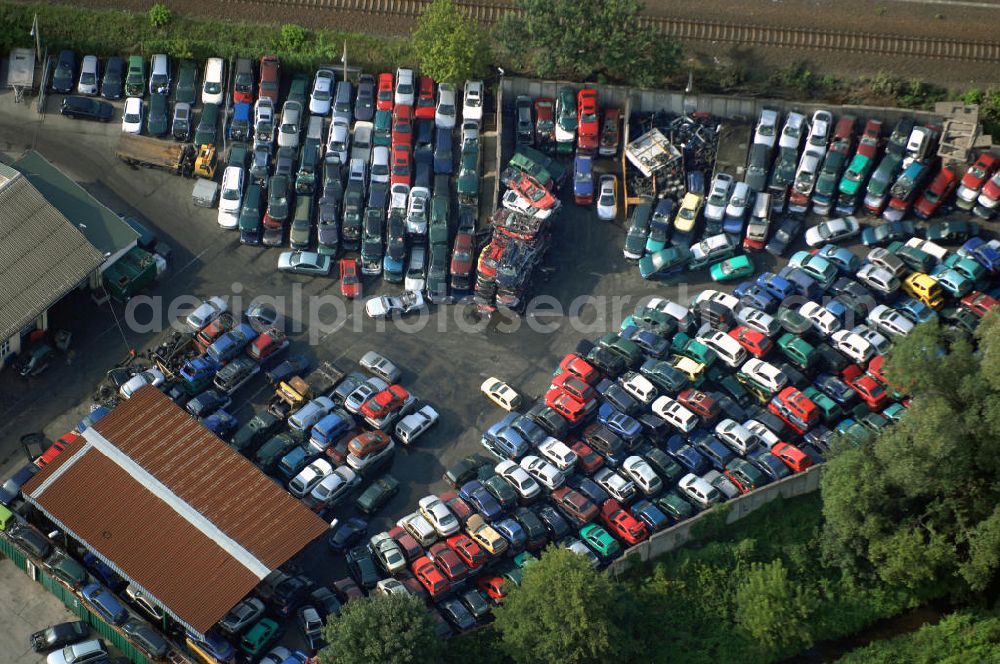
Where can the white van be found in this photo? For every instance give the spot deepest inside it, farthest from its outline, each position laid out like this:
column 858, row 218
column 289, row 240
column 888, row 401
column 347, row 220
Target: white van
column 213, row 88
column 675, row 414
column 727, row 348
column 314, row 129
column 822, row 320
column 764, row 374
column 639, row 387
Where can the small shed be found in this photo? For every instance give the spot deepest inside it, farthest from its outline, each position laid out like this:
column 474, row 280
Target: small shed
column 21, row 72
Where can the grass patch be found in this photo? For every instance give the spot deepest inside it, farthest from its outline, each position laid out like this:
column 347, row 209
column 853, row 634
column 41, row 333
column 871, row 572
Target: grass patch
column 116, row 32
column 964, row 636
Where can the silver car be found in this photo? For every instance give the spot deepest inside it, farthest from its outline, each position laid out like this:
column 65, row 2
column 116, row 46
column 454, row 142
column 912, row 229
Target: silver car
column 380, row 366
column 90, row 76
column 291, row 125
column 363, row 392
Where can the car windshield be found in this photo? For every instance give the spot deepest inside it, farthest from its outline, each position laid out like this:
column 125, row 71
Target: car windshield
column 131, row 117
column 446, row 109
column 88, row 78
column 213, row 88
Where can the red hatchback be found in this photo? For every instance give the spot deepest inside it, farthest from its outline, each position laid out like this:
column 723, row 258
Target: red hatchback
column 350, row 284
column 384, row 97
column 534, row 193
column 461, row 262
column 448, row 561
column 587, row 459
column 468, row 551
column 979, row 172
column 699, row 403
column 545, row 123
column 402, row 126
column 386, row 401
column 588, row 125
column 938, row 191
column 406, row 541
column 867, row 387
column 56, row 448
column 270, row 78
column 401, row 167
column 580, row 368
column 621, row 523
column 429, row 576
column 425, row 98
column 574, row 386
column 870, row 138
column 492, row 585
column 756, row 343
column 792, row 456
column 978, row 303
column 569, row 407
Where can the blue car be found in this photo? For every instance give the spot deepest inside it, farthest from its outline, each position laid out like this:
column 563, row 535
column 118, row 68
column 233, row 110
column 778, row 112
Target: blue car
column 842, row 258
column 835, row 388
column 692, row 460
column 954, row 282
column 529, row 430
column 985, row 253
column 758, row 298
column 103, row 572
column 650, row 514
column 230, row 344
column 91, row 419
column 583, row 179
column 625, row 426
column 650, row 342
column 481, row 500
column 802, row 282
column 915, row 310
column 346, row 534
column 102, row 601
column 11, row 489
column 513, row 532
column 770, row 465
column 776, row 286
column 221, row 423
column 588, row 487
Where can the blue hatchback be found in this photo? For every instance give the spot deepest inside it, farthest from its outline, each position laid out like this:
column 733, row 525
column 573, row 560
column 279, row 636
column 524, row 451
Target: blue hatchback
column 624, row 425
column 101, row 599
column 481, row 500
column 513, row 532
column 650, row 514
column 776, row 286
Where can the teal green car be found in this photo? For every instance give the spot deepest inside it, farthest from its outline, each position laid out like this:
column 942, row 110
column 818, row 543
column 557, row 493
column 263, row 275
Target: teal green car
column 894, row 412
column 259, row 637
column 736, row 267
column 599, row 541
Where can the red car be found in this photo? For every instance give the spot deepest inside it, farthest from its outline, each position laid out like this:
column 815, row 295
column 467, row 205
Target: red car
column 534, row 193
column 347, row 590
column 269, row 343
column 468, row 551
column 867, row 387
column 425, row 98
column 429, row 576
column 461, row 262
column 56, row 448
column 350, row 284
column 978, row 303
column 756, row 343
column 621, row 523
column 939, row 190
column 792, row 456
column 402, row 126
column 991, row 189
column 588, row 126
column 207, row 335
column 385, row 95
column 610, row 133
column 409, row 545
column 577, row 507
column 367, row 443
column 870, row 138
column 587, row 459
column 386, row 401
column 699, row 403
column 574, row 386
column 570, row 408
column 401, row 169
column 795, row 409
column 545, row 121
column 492, row 585
column 448, row 561
column 979, row 172
column 580, row 368
column 460, row 508
column 270, row 78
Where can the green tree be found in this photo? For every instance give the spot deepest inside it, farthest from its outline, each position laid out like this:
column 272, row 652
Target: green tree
column 772, row 609
column 159, row 15
column 293, row 37
column 451, row 47
column 395, row 629
column 917, row 507
column 587, row 40
column 565, row 612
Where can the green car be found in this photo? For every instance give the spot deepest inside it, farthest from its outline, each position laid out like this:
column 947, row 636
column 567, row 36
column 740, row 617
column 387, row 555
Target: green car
column 736, row 267
column 382, row 129
column 700, row 352
column 524, row 559
column 855, row 175
column 831, row 409
column 377, row 494
column 299, row 88
column 674, row 506
column 65, row 568
column 157, row 123
column 259, row 637
column 624, row 348
column 599, row 541
column 135, row 80
column 665, row 263
column 894, row 412
column 187, row 82
column 799, row 352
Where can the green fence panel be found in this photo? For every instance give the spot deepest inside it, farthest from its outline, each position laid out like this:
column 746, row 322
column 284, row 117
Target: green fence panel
column 12, row 552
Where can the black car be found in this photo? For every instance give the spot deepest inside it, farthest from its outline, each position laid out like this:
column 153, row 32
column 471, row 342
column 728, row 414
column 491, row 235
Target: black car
column 87, row 109
column 617, row 396
column 785, row 234
column 146, row 638
column 113, row 83
column 757, row 164
column 552, row 422
column 835, row 388
column 207, row 403
column 476, row 604
column 361, row 566
column 457, row 614
column 290, row 593
column 525, row 123
column 830, row 359
column 364, row 103
column 30, row 539
column 951, row 231
column 534, row 529
column 246, row 439
column 607, row 362
column 157, row 121
column 664, row 375
column 466, row 470
column 326, row 602
column 182, row 123
column 554, row 522
column 58, row 636
column 64, row 75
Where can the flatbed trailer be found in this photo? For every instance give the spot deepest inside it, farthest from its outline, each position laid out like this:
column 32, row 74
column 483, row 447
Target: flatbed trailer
column 177, row 158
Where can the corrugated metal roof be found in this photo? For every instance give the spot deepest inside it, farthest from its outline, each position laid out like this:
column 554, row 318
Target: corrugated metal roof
column 42, row 255
column 173, row 507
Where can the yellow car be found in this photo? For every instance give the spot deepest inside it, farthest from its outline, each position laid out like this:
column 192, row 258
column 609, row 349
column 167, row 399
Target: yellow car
column 484, row 535
column 501, row 394
column 924, row 288
column 690, row 368
column 687, row 215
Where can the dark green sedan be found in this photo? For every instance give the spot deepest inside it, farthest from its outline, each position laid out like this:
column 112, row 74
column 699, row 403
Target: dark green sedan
column 377, row 494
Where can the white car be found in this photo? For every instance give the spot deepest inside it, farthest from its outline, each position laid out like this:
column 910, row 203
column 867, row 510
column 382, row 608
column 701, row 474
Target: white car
column 834, row 230
column 310, row 414
column 879, row 341
column 685, row 319
column 417, row 209
column 766, row 132
column 890, row 321
column 363, row 392
column 518, row 478
column 515, row 202
column 309, row 477
column 764, row 374
column 89, row 83
column 212, row 91
column 263, row 121
column 438, row 515
column 501, row 394
column 334, row 486
column 762, row 432
column 132, row 116
column 791, row 134
column 231, row 197
column 820, row 317
column 853, row 346
column 639, row 387
column 388, row 553
column 361, row 141
column 643, row 475
column 758, row 320
column 338, row 141
column 819, row 131
column 878, row 279
column 321, row 97
column 607, row 198
column 737, row 436
column 415, row 424
column 725, row 299
column 206, row 312
column 384, row 306
column 928, row 247
column 805, row 174
column 404, row 94
column 621, row 489
column 291, row 125
column 581, row 549
column 472, row 105
column 387, row 587
column 151, row 376
column 544, row 472
column 713, row 247
column 559, row 453
column 445, row 111
column 419, row 527
column 416, row 268
column 715, row 204
column 380, row 164
column 700, row 492
column 739, row 201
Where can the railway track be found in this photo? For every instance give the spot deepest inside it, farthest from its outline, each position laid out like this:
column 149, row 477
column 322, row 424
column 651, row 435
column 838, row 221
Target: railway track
column 709, row 31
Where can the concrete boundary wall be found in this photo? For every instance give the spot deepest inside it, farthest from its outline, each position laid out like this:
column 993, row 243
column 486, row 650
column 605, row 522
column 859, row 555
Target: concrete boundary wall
column 667, row 540
column 724, row 106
